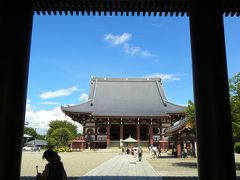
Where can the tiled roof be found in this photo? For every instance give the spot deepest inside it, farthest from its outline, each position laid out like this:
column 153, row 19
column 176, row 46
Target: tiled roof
column 179, row 124
column 37, row 142
column 126, row 97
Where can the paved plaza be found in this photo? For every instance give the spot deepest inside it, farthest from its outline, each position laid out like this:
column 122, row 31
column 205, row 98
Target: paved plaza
column 124, row 167
column 116, row 166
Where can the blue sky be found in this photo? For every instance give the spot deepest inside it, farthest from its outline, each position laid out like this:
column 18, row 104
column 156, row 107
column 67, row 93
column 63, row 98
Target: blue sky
column 67, row 50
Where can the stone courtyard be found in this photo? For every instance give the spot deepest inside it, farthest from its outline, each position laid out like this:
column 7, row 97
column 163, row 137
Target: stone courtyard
column 115, row 165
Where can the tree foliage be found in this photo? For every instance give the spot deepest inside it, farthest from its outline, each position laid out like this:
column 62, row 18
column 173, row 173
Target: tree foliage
column 79, row 135
column 234, row 91
column 190, row 113
column 234, row 88
column 61, row 133
column 31, row 131
column 62, row 136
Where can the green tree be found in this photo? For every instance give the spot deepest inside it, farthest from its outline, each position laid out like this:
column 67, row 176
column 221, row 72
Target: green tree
column 234, row 91
column 79, row 135
column 59, row 132
column 62, row 136
column 30, row 131
column 43, row 137
column 62, row 124
column 234, row 86
column 190, row 113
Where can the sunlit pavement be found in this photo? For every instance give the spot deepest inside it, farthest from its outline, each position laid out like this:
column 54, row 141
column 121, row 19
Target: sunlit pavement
column 123, row 167
column 126, row 167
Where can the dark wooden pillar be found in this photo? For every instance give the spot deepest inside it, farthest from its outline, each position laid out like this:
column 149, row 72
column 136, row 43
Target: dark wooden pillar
column 16, row 28
column 179, row 151
column 108, row 134
column 138, row 132
column 161, row 144
column 84, row 134
column 211, row 93
column 96, row 131
column 151, row 133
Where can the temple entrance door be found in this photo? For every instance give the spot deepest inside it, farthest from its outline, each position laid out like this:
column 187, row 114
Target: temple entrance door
column 129, row 130
column 115, row 132
column 143, row 132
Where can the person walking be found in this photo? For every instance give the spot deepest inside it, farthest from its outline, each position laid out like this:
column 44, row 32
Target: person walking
column 185, row 152
column 159, row 151
column 154, row 152
column 174, row 151
column 193, row 152
column 140, row 153
column 150, row 149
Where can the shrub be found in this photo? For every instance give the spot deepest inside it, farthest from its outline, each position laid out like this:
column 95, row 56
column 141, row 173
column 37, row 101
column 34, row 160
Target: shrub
column 237, row 147
column 67, row 150
column 61, row 150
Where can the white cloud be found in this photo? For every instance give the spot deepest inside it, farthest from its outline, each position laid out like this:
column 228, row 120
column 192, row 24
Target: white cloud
column 41, row 119
column 28, row 100
column 164, row 77
column 147, row 54
column 83, row 97
column 58, row 93
column 117, row 39
column 129, row 48
column 50, row 103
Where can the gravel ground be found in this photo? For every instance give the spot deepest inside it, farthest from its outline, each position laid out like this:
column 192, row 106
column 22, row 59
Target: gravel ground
column 79, row 163
column 76, row 163
column 168, row 166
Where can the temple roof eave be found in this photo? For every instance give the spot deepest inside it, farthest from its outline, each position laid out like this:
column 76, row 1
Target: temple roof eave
column 179, row 126
column 93, row 115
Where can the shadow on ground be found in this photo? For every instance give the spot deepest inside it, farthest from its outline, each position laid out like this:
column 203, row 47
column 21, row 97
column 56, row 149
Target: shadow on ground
column 237, row 165
column 159, row 157
column 186, row 164
column 179, row 178
column 104, row 178
column 185, row 178
column 34, row 178
column 121, row 178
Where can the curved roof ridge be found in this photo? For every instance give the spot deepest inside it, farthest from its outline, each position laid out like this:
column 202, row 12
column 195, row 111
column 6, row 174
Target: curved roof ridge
column 146, row 79
column 179, row 124
column 160, row 93
column 78, row 104
column 176, row 104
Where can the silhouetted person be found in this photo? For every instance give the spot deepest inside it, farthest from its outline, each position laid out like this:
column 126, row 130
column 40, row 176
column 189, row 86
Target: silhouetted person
column 194, row 152
column 54, row 170
column 159, row 151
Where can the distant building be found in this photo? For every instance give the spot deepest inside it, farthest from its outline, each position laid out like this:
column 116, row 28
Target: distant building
column 37, row 142
column 119, row 107
column 181, row 136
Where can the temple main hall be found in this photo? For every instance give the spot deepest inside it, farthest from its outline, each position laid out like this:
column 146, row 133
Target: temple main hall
column 120, row 107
